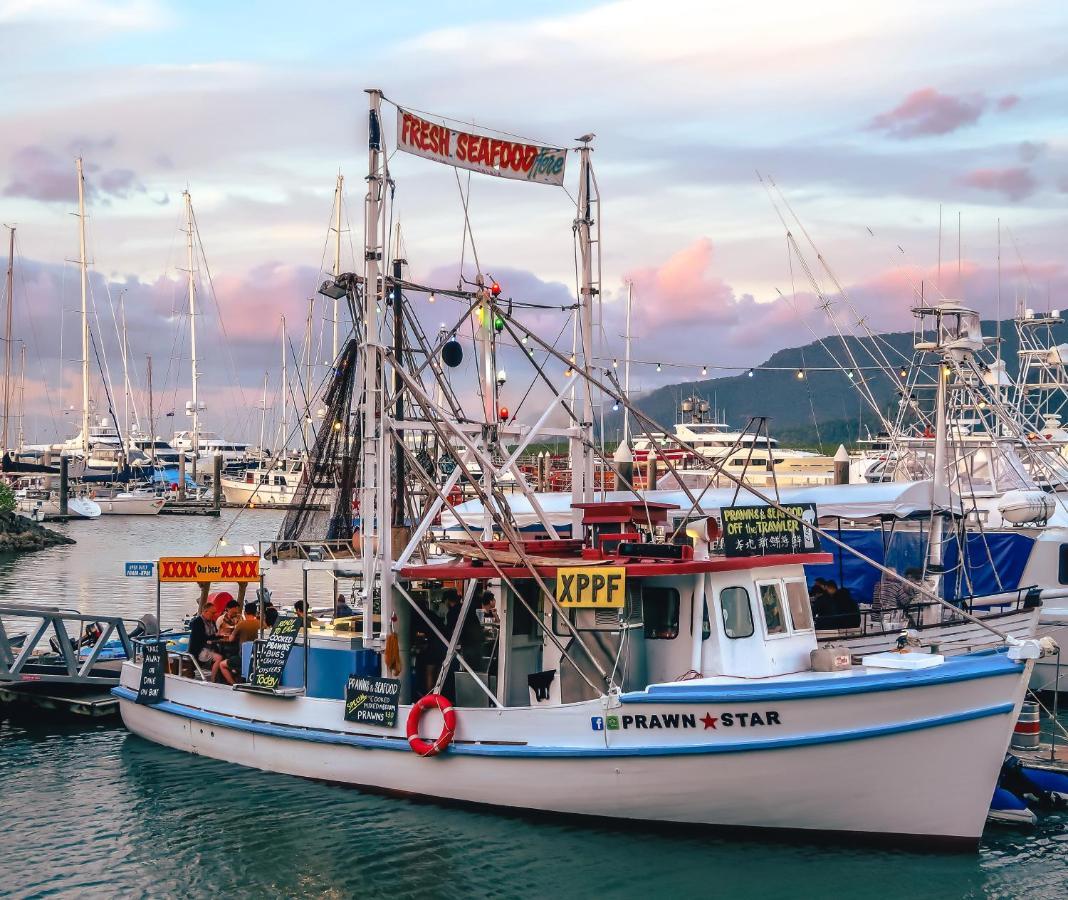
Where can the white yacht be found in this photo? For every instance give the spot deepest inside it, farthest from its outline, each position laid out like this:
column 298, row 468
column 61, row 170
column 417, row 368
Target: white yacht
column 755, row 457
column 208, row 445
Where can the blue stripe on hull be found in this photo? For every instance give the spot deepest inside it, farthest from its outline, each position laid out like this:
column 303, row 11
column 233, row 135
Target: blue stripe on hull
column 962, row 668
column 512, row 751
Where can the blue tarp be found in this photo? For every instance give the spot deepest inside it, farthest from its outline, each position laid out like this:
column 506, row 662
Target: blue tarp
column 906, row 550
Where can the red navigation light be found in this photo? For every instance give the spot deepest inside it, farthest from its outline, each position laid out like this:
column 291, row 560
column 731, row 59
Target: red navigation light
column 495, row 289
column 502, row 413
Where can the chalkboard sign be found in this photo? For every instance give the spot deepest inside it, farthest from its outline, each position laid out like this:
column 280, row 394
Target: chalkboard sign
column 765, row 530
column 153, row 670
column 372, row 701
column 271, row 659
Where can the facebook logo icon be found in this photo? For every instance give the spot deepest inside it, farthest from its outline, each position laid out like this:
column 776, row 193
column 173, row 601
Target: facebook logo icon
column 597, row 723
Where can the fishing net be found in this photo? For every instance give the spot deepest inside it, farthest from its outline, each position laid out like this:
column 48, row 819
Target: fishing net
column 321, row 510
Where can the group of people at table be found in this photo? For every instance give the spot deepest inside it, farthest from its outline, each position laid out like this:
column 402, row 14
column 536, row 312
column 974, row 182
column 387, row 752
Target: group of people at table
column 836, row 607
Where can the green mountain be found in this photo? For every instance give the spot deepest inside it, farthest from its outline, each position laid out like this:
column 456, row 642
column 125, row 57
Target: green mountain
column 823, row 409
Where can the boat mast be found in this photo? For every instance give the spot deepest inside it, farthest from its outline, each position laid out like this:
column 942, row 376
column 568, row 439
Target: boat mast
column 285, row 394
column 308, row 388
column 337, row 257
column 125, row 368
column 151, row 419
column 84, row 266
column 582, row 432
column 7, row 334
column 263, row 418
column 626, row 366
column 375, row 518
column 191, row 286
column 22, row 397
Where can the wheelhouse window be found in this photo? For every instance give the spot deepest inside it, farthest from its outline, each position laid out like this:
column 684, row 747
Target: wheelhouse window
column 771, row 601
column 737, row 612
column 660, row 612
column 1062, row 567
column 799, row 605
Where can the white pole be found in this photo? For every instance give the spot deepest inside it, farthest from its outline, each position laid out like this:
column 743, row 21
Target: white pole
column 939, row 481
column 626, row 366
column 22, row 397
column 192, row 328
column 285, row 393
column 263, row 419
column 308, row 387
column 337, row 257
column 374, row 493
column 581, row 452
column 84, row 266
column 125, row 369
column 4, row 446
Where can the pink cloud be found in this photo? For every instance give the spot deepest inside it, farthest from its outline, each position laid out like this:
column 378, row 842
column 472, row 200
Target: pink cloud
column 929, row 112
column 1015, row 183
column 684, row 290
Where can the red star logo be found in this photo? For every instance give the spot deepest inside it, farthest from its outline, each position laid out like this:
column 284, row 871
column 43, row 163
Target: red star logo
column 710, row 721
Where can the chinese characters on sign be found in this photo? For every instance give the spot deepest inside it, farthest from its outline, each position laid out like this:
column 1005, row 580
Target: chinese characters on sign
column 764, row 530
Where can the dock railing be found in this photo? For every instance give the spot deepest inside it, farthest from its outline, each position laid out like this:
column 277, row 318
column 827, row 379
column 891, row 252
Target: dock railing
column 65, row 664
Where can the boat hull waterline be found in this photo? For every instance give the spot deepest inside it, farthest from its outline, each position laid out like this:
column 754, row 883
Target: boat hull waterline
column 916, row 759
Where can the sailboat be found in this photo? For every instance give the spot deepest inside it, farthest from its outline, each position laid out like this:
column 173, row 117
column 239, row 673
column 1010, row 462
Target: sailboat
column 638, row 674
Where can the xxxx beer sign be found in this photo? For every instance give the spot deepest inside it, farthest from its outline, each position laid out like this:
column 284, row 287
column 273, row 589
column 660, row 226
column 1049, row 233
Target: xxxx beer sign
column 209, row 568
column 591, row 587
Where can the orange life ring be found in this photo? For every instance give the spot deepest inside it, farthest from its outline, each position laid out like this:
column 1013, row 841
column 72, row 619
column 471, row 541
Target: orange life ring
column 444, row 704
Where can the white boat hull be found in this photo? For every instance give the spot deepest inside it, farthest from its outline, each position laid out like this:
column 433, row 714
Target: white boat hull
column 918, row 764
column 77, row 508
column 130, row 506
column 1051, row 673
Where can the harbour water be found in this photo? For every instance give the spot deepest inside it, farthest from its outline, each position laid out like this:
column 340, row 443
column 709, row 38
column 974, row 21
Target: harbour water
column 93, row 811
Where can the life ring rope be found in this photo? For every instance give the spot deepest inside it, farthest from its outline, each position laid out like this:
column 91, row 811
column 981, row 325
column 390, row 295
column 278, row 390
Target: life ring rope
column 448, row 729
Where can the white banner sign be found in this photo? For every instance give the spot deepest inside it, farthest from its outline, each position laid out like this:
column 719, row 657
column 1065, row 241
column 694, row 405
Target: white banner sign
column 480, row 153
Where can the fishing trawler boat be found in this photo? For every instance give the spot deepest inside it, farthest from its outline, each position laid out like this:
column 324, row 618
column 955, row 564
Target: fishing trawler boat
column 719, row 719
column 641, row 672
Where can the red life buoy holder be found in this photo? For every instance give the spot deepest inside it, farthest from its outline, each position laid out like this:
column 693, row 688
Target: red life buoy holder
column 444, row 705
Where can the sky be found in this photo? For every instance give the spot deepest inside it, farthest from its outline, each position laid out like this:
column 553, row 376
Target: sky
column 719, row 129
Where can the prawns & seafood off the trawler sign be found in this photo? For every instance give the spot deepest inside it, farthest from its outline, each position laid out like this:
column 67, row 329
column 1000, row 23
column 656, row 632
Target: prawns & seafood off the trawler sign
column 480, row 153
column 760, row 530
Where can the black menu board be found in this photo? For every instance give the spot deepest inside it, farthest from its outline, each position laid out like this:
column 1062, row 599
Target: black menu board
column 372, row 701
column 153, row 670
column 273, row 654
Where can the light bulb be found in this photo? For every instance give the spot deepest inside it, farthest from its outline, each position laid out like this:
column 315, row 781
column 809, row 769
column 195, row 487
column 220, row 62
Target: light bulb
column 800, row 374
column 704, row 370
column 659, row 367
column 431, row 298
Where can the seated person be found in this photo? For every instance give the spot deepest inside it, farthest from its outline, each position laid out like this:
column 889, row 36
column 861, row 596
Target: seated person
column 226, row 623
column 270, row 613
column 202, row 637
column 839, row 609
column 342, row 610
column 303, row 614
column 247, row 629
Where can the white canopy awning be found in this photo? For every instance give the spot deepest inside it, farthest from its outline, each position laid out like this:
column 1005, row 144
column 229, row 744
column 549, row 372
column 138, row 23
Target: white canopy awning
column 898, row 500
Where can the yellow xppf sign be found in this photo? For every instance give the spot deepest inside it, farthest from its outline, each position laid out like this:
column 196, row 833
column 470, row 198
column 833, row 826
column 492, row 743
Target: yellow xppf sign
column 591, row 586
column 198, row 569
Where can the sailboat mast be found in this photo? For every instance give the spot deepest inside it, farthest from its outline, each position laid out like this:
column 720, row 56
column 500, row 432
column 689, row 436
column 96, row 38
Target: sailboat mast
column 22, row 397
column 337, row 257
column 191, row 285
column 151, row 418
column 84, row 266
column 285, row 393
column 626, row 365
column 263, row 418
column 125, row 367
column 7, row 334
